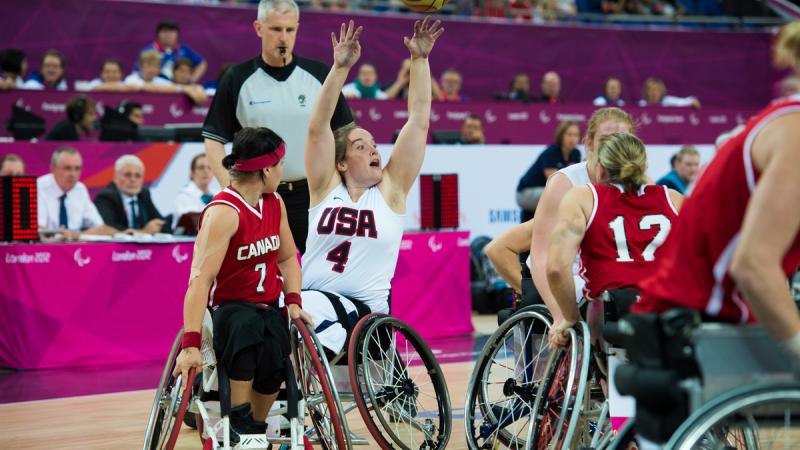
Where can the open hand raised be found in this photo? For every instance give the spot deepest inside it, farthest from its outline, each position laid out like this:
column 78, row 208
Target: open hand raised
column 425, row 35
column 347, row 49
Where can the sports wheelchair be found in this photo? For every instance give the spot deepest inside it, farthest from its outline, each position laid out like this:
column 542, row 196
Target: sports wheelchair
column 522, row 395
column 705, row 385
column 394, row 379
column 203, row 402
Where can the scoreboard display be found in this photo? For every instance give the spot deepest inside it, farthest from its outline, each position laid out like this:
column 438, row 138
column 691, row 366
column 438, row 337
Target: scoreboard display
column 438, row 201
column 18, row 209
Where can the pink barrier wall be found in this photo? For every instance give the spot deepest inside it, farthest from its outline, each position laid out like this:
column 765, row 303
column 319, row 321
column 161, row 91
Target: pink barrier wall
column 105, row 303
column 504, row 123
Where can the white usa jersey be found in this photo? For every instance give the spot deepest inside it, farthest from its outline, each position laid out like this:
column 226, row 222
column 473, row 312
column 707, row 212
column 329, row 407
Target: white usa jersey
column 352, row 247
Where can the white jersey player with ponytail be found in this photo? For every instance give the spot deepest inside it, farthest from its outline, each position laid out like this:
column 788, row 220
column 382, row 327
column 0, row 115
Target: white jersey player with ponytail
column 357, row 207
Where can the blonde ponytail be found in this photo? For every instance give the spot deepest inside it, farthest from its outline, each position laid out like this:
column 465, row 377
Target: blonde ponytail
column 624, row 159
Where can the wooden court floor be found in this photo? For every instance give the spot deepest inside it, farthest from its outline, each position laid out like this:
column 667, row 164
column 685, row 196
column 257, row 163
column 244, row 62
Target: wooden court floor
column 118, row 421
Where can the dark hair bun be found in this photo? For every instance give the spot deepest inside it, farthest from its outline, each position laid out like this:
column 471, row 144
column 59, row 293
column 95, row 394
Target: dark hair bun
column 228, row 161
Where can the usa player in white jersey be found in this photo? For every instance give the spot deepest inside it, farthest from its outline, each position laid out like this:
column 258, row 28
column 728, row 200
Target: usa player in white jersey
column 357, row 207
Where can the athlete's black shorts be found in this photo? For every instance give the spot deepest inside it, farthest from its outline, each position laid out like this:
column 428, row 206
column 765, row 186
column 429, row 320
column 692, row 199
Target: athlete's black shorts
column 252, row 337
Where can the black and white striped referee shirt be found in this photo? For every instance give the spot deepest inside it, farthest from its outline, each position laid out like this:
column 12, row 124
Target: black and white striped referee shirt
column 253, row 94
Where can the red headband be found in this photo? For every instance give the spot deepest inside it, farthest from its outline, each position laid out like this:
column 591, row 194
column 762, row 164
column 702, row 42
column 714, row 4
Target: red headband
column 260, row 162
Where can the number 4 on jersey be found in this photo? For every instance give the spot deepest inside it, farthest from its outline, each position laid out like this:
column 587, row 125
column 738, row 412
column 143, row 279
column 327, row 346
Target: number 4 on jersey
column 339, row 255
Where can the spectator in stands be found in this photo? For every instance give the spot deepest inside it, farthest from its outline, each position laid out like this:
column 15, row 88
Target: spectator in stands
column 50, row 75
column 182, row 76
column 520, row 89
column 126, row 203
column 551, row 88
column 654, row 93
column 684, row 172
column 13, row 65
column 147, row 79
column 147, row 75
column 522, row 10
column 561, row 154
column 166, row 44
column 449, row 90
column 63, row 201
column 556, row 9
column 197, row 193
column 492, row 8
column 399, row 88
column 132, row 111
column 79, row 124
column 612, row 94
column 472, row 130
column 11, row 165
column 365, row 85
column 110, row 78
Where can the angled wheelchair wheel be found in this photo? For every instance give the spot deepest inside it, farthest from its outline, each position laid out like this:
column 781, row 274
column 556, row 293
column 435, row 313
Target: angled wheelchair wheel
column 503, row 386
column 357, row 380
column 752, row 417
column 172, row 398
column 561, row 393
column 403, row 387
column 314, row 378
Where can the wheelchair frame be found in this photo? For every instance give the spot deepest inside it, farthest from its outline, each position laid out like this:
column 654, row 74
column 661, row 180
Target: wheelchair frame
column 311, row 373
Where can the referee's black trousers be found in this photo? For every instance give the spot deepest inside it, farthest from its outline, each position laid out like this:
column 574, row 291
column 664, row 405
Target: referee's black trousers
column 295, row 197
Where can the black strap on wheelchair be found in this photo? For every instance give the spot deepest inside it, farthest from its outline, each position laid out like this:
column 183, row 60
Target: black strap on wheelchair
column 292, row 395
column 224, row 391
column 617, row 303
column 342, row 316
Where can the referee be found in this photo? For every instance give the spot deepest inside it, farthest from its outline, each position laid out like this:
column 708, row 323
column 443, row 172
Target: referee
column 275, row 90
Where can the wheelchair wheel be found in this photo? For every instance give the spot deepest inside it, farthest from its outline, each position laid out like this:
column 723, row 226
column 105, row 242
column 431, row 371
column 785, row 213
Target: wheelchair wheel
column 502, row 389
column 562, row 392
column 753, row 417
column 172, row 398
column 314, row 377
column 396, row 373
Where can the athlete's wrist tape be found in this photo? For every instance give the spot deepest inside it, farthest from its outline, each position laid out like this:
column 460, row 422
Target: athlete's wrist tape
column 792, row 345
column 293, row 298
column 191, row 339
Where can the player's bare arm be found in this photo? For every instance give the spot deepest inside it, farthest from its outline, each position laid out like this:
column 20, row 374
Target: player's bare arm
column 564, row 244
column 320, row 155
column 503, row 251
column 770, row 226
column 409, row 150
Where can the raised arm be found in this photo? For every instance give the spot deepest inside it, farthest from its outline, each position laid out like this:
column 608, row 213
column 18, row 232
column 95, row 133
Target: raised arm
column 320, row 156
column 564, row 244
column 409, row 150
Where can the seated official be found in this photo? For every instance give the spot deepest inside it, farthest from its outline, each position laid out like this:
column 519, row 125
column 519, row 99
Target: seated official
column 79, row 124
column 126, row 203
column 197, row 193
column 11, row 165
column 63, row 201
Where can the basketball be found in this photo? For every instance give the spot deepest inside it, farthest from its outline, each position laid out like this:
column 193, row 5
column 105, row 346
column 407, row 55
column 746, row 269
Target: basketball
column 424, row 6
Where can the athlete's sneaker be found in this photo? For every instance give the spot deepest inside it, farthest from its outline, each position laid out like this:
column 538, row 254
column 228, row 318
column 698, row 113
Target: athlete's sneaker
column 242, row 422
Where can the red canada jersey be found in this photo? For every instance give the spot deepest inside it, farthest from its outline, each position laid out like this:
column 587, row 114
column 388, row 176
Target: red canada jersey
column 249, row 271
column 693, row 267
column 623, row 236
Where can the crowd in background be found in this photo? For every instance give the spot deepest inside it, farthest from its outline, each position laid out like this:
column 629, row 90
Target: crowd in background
column 535, row 10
